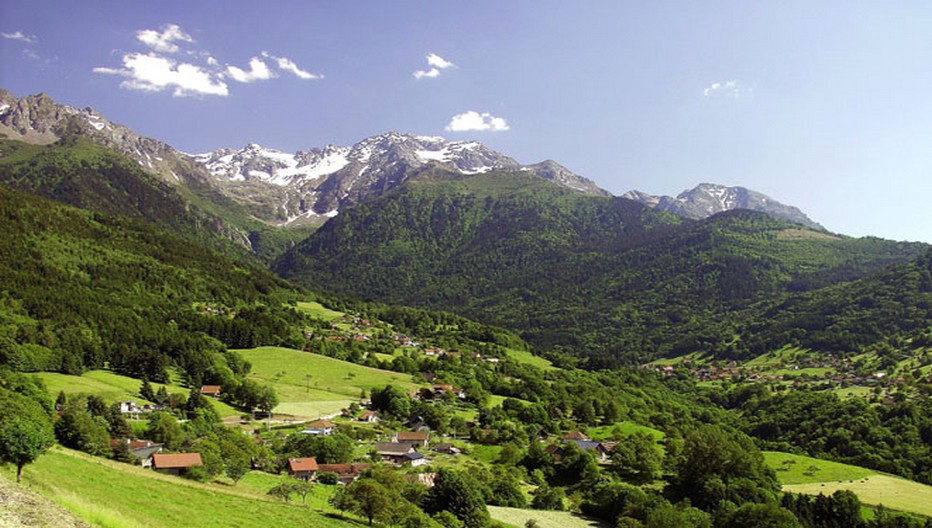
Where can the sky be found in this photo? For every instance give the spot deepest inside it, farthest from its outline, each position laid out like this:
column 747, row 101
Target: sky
column 825, row 105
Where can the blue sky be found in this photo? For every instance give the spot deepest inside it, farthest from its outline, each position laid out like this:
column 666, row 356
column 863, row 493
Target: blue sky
column 823, row 105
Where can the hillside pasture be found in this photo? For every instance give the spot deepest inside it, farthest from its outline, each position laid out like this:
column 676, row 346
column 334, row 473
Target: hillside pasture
column 114, row 387
column 892, row 492
column 111, row 494
column 801, row 474
column 311, row 385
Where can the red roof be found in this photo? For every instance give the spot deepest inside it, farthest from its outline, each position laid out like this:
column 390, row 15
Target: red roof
column 575, row 435
column 180, row 460
column 416, row 436
column 302, row 464
column 321, row 424
column 210, row 389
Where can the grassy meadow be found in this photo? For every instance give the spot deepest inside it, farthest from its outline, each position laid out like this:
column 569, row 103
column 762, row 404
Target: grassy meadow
column 115, row 387
column 311, row 385
column 801, row 474
column 111, row 494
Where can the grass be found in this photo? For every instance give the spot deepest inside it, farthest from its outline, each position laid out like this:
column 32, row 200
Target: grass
column 800, row 474
column 526, row 358
column 605, row 432
column 796, row 469
column 260, row 483
column 312, row 385
column 106, row 493
column 893, row 492
column 315, row 309
column 544, row 518
column 114, row 387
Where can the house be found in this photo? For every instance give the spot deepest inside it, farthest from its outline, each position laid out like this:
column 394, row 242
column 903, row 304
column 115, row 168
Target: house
column 176, row 464
column 574, row 435
column 416, row 423
column 587, row 445
column 319, row 428
column 416, row 459
column 212, row 391
column 346, row 473
column 394, row 452
column 447, row 449
column 141, row 449
column 414, row 438
column 369, row 417
column 302, row 468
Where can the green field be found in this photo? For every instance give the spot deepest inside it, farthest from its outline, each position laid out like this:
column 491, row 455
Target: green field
column 525, row 357
column 800, row 474
column 893, row 492
column 114, row 387
column 315, row 309
column 545, row 518
column 311, row 385
column 605, row 432
column 110, row 494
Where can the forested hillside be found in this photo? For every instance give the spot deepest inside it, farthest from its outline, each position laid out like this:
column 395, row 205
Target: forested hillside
column 81, row 289
column 605, row 278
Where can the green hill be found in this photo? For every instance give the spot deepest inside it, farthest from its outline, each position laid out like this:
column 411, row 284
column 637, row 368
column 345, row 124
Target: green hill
column 82, row 288
column 111, row 494
column 603, row 277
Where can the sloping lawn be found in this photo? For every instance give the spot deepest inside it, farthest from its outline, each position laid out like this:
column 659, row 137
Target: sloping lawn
column 110, row 494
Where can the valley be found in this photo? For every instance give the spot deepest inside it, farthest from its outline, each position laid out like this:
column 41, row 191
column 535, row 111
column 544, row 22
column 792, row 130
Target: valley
column 417, row 332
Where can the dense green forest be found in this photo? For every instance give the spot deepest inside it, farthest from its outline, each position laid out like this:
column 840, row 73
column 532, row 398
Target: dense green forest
column 607, row 278
column 81, row 289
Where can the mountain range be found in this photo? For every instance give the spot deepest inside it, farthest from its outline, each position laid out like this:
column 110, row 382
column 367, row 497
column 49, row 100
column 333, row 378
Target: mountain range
column 307, row 187
column 459, row 227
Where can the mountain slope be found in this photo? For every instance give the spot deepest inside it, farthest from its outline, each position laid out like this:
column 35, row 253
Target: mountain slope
column 602, row 277
column 81, row 288
column 708, row 199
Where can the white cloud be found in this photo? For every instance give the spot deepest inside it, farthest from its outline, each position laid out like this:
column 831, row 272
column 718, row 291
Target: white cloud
column 19, row 35
column 472, row 120
column 436, row 63
column 200, row 73
column 152, row 73
column 258, row 71
column 164, row 41
column 289, row 65
column 727, row 88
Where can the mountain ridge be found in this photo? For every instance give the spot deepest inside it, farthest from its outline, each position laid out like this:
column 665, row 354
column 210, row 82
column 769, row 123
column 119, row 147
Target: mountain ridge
column 304, row 189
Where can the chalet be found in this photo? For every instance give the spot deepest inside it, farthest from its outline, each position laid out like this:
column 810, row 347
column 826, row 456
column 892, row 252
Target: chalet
column 416, row 459
column 369, row 417
column 319, row 428
column 416, row 423
column 176, row 464
column 394, row 452
column 556, row 452
column 447, row 449
column 574, row 435
column 346, row 473
column 212, row 391
column 302, row 468
column 413, row 438
column 141, row 449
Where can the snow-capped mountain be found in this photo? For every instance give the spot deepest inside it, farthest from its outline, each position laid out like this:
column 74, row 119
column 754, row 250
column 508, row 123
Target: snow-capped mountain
column 320, row 182
column 706, row 199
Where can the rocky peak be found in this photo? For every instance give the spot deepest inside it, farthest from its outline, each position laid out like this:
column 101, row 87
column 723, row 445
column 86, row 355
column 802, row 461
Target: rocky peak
column 707, row 199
